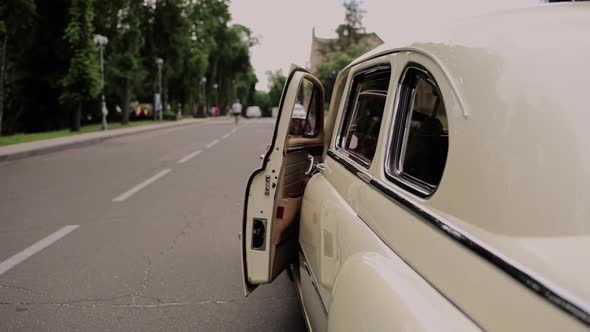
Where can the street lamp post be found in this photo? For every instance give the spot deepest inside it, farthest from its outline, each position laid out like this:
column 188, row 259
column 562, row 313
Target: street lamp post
column 102, row 41
column 215, row 86
column 204, row 82
column 158, row 109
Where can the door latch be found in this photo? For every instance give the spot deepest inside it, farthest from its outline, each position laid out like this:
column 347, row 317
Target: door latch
column 267, row 185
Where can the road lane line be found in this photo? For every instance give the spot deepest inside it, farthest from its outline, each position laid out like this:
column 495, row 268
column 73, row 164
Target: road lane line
column 189, row 156
column 212, row 143
column 225, row 136
column 140, row 186
column 35, row 248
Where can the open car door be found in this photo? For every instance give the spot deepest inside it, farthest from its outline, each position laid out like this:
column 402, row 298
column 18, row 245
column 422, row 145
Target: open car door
column 274, row 192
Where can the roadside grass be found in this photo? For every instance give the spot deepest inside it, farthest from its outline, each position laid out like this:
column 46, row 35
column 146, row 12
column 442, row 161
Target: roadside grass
column 24, row 138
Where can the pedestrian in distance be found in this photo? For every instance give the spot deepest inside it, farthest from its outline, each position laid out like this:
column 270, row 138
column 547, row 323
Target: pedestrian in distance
column 236, row 111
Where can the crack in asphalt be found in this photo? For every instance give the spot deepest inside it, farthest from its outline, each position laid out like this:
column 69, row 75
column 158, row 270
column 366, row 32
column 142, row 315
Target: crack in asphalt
column 27, row 290
column 178, row 236
column 74, row 303
column 146, row 277
column 98, row 302
column 144, row 284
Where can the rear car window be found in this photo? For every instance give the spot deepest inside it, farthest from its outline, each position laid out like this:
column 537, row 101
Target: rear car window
column 421, row 136
column 362, row 120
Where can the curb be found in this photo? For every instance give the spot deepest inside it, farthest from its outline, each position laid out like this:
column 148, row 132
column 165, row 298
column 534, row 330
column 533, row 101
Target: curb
column 80, row 141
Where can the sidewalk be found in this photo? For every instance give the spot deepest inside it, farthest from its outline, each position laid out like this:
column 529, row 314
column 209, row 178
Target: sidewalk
column 23, row 150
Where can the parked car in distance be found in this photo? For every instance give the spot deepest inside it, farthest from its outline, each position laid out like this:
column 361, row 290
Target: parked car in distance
column 447, row 187
column 253, row 112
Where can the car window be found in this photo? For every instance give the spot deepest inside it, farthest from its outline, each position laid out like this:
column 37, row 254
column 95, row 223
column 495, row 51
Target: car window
column 362, row 120
column 304, row 119
column 422, row 133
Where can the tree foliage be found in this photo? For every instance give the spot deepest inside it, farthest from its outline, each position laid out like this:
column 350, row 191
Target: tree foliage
column 276, row 83
column 82, row 81
column 351, row 31
column 51, row 67
column 349, row 46
column 124, row 70
column 16, row 19
column 328, row 71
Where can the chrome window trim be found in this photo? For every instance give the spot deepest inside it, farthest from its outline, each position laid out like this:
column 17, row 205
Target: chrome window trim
column 340, row 139
column 357, row 168
column 400, row 163
column 353, row 158
column 396, row 175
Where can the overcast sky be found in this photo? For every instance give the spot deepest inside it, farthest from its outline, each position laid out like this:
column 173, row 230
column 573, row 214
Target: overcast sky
column 284, row 26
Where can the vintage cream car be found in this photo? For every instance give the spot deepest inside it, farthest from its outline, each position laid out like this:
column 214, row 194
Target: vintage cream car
column 446, row 189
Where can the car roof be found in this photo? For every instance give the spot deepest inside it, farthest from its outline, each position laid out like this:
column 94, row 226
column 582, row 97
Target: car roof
column 545, row 45
column 529, row 27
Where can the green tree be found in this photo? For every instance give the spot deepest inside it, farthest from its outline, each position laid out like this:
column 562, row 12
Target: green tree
column 262, row 99
column 328, row 71
column 124, row 66
column 197, row 52
column 230, row 66
column 2, row 68
column 81, row 82
column 49, row 67
column 16, row 19
column 352, row 30
column 276, row 83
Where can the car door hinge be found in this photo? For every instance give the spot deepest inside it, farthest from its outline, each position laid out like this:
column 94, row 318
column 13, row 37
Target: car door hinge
column 267, row 185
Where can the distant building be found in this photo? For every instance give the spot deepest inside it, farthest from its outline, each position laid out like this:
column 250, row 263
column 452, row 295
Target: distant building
column 323, row 48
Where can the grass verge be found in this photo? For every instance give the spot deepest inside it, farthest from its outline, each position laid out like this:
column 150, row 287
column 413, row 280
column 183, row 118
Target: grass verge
column 24, row 138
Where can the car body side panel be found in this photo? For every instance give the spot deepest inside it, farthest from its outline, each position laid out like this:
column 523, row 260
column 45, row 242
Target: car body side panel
column 314, row 308
column 363, row 284
column 379, row 292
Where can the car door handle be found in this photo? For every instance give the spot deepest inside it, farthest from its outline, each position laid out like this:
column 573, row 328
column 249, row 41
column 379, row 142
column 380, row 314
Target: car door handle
column 320, row 167
column 311, row 164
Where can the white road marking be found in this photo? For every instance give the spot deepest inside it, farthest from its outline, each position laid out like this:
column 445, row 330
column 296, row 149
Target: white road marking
column 189, row 156
column 140, row 186
column 212, row 143
column 225, row 136
column 234, row 130
column 35, row 248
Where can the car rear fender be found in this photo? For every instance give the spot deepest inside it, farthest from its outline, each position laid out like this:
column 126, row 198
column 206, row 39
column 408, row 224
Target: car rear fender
column 373, row 292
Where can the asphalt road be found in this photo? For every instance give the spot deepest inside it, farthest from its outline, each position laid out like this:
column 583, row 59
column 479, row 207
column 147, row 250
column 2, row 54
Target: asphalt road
column 156, row 248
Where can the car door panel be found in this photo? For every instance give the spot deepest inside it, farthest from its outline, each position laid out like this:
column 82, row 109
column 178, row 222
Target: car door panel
column 273, row 193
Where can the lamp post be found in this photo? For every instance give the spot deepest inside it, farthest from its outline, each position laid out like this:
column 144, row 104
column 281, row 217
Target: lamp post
column 204, row 82
column 215, row 86
column 102, row 41
column 158, row 111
